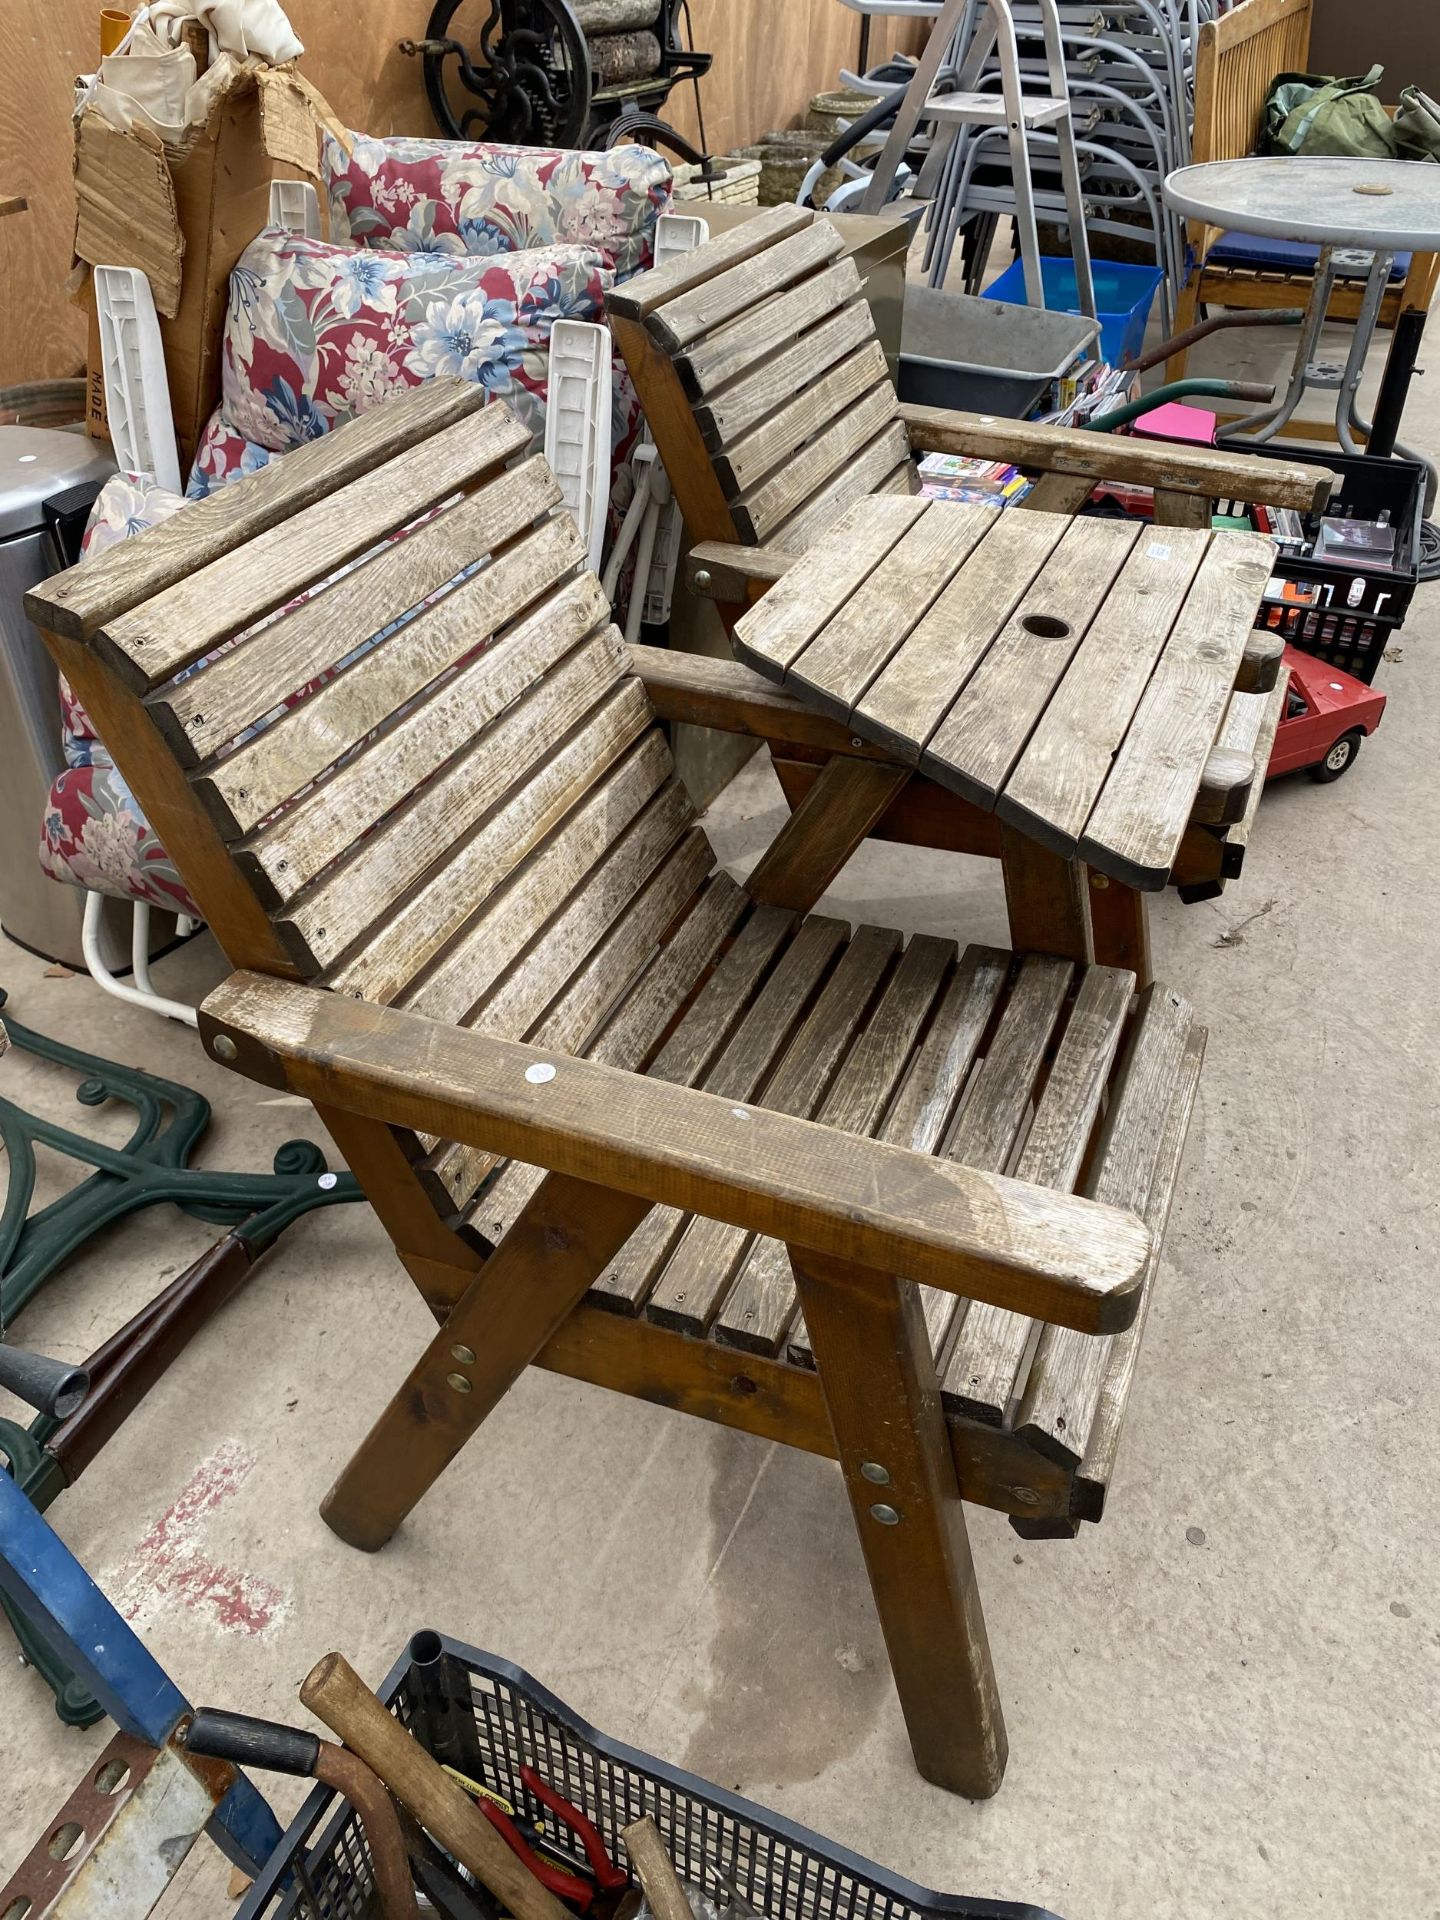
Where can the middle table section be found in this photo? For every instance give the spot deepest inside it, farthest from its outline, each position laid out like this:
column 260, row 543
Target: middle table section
column 1068, row 674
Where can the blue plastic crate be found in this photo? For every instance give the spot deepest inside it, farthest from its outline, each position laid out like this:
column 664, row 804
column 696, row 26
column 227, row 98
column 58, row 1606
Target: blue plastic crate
column 1124, row 295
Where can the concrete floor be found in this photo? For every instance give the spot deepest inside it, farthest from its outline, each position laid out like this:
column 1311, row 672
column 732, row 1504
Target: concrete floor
column 1221, row 1701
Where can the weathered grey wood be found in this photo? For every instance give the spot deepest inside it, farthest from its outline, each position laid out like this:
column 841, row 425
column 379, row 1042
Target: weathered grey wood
column 985, row 1365
column 997, row 1103
column 635, row 814
column 1058, row 776
column 761, row 1304
column 724, row 296
column 207, row 603
column 750, row 344
column 1135, row 829
column 385, row 860
column 647, row 291
column 771, row 634
column 631, row 1035
column 837, row 666
column 202, row 713
column 1260, row 662
column 455, row 895
column 757, row 1036
column 921, row 1112
column 257, row 778
column 908, row 700
column 978, row 741
column 762, row 509
column 745, row 461
column 702, row 1265
column 1058, row 493
column 738, row 408
column 616, row 929
column 1057, row 1409
column 1225, row 782
column 76, row 603
column 1093, row 1476
column 882, row 467
column 1182, row 509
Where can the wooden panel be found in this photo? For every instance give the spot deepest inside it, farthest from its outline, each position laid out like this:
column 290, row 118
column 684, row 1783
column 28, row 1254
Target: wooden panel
column 997, row 1103
column 1065, row 1375
column 1137, row 824
column 826, row 828
column 716, row 364
column 882, row 467
column 680, row 322
column 977, row 742
column 766, row 507
column 416, row 932
column 743, row 462
column 254, row 780
column 990, row 1352
column 753, row 1032
column 599, row 829
column 135, row 570
column 772, row 633
column 857, row 643
column 640, row 297
column 742, row 404
column 758, row 1309
column 591, row 953
column 1065, row 762
column 709, row 1252
column 692, row 687
column 200, row 714
column 385, row 861
column 909, row 699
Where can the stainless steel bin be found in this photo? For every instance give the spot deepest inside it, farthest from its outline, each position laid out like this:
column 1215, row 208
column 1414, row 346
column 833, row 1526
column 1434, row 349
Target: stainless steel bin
column 35, row 463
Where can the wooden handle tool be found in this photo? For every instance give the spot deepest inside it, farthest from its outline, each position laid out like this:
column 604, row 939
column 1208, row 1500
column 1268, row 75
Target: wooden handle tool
column 336, row 1694
column 657, row 1873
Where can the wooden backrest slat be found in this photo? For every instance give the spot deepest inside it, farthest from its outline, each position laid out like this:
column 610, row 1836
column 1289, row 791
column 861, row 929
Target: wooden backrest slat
column 882, row 466
column 781, row 497
column 636, row 815
column 332, row 914
column 266, row 771
column 204, row 712
column 828, row 398
column 641, row 296
column 76, row 603
column 749, row 346
column 418, row 929
column 742, row 405
column 679, row 323
column 185, row 621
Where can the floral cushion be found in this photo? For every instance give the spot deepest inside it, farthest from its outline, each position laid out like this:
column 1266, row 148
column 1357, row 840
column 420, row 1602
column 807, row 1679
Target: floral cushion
column 316, row 334
column 449, row 196
column 95, row 836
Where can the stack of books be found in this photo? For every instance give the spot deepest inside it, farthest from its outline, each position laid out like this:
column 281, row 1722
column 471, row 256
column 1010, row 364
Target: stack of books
column 973, row 482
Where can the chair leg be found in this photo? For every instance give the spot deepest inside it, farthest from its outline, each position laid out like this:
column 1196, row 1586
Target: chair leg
column 833, row 819
column 1120, row 922
column 867, row 1332
column 542, row 1269
column 142, row 994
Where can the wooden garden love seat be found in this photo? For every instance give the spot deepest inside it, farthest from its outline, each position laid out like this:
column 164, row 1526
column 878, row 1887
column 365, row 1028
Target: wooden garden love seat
column 885, row 1200
column 766, row 390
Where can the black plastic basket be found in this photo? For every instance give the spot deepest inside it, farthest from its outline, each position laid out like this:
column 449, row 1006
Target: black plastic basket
column 321, row 1870
column 1351, row 637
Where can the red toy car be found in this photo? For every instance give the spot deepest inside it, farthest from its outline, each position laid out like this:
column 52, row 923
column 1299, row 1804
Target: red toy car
column 1327, row 714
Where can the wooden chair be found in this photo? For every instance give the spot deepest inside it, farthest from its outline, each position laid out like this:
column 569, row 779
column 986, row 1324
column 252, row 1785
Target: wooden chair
column 767, row 392
column 1238, row 57
column 888, row 1202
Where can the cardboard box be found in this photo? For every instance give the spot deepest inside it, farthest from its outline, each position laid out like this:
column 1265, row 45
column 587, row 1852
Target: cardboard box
column 184, row 216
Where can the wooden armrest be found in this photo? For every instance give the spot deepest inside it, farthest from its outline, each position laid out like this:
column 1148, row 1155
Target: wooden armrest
column 720, row 570
column 1051, row 1255
column 708, row 692
column 1212, row 471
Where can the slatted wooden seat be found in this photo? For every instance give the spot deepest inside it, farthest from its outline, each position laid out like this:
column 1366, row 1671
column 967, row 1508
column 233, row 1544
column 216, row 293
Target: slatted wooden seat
column 888, row 1201
column 765, row 386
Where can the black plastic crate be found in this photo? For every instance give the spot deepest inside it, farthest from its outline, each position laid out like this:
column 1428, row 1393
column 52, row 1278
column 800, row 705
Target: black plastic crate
column 321, row 1870
column 1351, row 637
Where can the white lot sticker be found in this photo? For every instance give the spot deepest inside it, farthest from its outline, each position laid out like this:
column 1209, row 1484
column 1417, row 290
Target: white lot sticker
column 538, row 1075
column 1157, row 550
